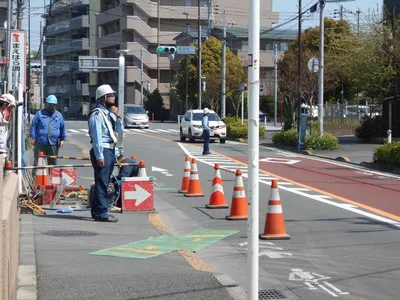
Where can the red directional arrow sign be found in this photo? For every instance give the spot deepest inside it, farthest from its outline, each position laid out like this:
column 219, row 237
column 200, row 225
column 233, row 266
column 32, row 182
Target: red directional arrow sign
column 137, row 194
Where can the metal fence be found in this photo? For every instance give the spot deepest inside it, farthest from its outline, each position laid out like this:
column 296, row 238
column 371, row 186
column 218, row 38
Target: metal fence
column 340, row 114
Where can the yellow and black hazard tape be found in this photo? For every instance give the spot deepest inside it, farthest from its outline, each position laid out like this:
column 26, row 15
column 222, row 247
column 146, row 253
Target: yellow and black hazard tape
column 67, row 166
column 68, row 157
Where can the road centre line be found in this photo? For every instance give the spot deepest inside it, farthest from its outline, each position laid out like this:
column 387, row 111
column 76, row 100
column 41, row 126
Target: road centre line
column 381, row 216
column 321, row 192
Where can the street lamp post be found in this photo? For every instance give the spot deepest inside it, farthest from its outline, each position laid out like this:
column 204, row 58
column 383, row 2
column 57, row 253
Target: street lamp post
column 121, row 92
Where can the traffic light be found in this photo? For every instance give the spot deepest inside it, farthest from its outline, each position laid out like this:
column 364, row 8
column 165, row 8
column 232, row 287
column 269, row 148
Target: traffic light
column 170, row 50
column 166, row 49
column 34, row 66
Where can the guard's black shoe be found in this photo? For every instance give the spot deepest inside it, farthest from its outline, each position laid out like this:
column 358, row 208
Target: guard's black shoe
column 110, row 218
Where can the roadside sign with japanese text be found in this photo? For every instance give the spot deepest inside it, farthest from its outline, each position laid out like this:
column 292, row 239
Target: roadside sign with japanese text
column 18, row 58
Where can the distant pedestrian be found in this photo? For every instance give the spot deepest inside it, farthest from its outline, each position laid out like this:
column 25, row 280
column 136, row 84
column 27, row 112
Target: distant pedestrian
column 104, row 123
column 206, row 132
column 48, row 131
column 66, row 111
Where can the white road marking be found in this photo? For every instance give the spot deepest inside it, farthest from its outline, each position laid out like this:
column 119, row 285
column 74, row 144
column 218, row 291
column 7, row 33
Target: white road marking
column 276, row 160
column 73, row 130
column 321, row 198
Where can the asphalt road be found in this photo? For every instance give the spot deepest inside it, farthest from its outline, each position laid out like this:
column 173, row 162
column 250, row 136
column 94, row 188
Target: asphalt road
column 343, row 222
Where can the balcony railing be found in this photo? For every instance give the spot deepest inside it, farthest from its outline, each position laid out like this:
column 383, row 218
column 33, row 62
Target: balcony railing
column 70, row 89
column 59, row 68
column 63, row 4
column 70, row 46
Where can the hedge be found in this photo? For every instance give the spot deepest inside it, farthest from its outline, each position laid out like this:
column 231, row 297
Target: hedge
column 235, row 129
column 388, row 154
column 313, row 142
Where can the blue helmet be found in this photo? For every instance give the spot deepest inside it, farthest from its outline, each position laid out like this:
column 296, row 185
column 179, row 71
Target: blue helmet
column 51, row 99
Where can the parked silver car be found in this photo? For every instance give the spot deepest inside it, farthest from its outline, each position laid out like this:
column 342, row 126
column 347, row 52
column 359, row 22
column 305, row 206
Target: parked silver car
column 135, row 116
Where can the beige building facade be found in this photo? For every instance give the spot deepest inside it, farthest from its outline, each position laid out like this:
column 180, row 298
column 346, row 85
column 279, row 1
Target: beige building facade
column 141, row 26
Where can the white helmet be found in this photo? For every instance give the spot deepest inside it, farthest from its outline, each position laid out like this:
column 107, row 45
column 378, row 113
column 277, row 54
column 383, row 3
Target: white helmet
column 206, row 111
column 8, row 98
column 104, row 90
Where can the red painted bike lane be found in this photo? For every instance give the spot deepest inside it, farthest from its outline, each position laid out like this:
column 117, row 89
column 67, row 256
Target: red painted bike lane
column 367, row 188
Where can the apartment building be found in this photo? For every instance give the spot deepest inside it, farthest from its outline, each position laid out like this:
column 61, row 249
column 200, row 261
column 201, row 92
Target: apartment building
column 237, row 41
column 141, row 26
column 67, row 36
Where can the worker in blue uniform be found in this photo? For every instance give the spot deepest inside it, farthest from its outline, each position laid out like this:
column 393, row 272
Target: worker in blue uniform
column 104, row 125
column 47, row 131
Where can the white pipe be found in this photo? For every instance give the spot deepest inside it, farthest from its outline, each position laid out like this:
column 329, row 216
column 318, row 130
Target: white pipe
column 253, row 148
column 242, row 106
column 19, row 134
column 121, row 94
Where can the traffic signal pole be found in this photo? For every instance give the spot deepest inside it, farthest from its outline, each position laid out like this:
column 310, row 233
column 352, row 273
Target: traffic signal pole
column 253, row 148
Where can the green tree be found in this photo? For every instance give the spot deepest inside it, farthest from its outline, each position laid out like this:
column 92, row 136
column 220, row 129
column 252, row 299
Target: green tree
column 154, row 102
column 211, row 69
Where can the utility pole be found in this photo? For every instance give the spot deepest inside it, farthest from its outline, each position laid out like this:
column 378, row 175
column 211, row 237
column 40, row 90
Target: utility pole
column 20, row 4
column 187, row 66
column 41, row 65
column 253, row 149
column 158, row 43
column 223, row 73
column 209, row 17
column 321, row 69
column 28, row 71
column 275, row 83
column 199, row 28
column 299, row 78
column 358, row 21
column 141, row 75
column 9, row 61
column 341, row 12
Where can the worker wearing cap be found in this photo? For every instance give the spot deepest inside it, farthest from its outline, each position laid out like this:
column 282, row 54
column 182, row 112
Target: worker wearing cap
column 104, row 124
column 47, row 131
column 206, row 132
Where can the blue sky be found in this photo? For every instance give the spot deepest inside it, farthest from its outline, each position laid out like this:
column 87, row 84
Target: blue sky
column 289, row 9
column 286, row 8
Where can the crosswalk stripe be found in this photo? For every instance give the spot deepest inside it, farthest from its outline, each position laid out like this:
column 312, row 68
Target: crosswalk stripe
column 149, row 130
column 73, row 130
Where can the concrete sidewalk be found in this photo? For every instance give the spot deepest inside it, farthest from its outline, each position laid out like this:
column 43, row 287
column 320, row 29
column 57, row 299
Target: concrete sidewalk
column 56, row 247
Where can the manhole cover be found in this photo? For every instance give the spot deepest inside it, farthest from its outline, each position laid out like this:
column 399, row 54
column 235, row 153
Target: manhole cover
column 69, row 233
column 270, row 294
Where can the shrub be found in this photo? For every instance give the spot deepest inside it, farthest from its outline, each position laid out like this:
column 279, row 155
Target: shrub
column 326, row 142
column 313, row 142
column 388, row 154
column 237, row 130
column 370, row 128
column 285, row 138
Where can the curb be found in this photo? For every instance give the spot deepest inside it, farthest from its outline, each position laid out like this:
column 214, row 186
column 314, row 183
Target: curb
column 231, row 286
column 27, row 280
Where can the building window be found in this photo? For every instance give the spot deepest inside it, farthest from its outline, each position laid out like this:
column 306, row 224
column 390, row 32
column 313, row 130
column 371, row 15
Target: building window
column 245, row 45
column 188, row 3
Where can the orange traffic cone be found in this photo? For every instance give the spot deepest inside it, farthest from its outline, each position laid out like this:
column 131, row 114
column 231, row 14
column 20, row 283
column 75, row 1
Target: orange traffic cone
column 186, row 176
column 217, row 199
column 142, row 169
column 274, row 221
column 239, row 208
column 194, row 189
column 42, row 177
